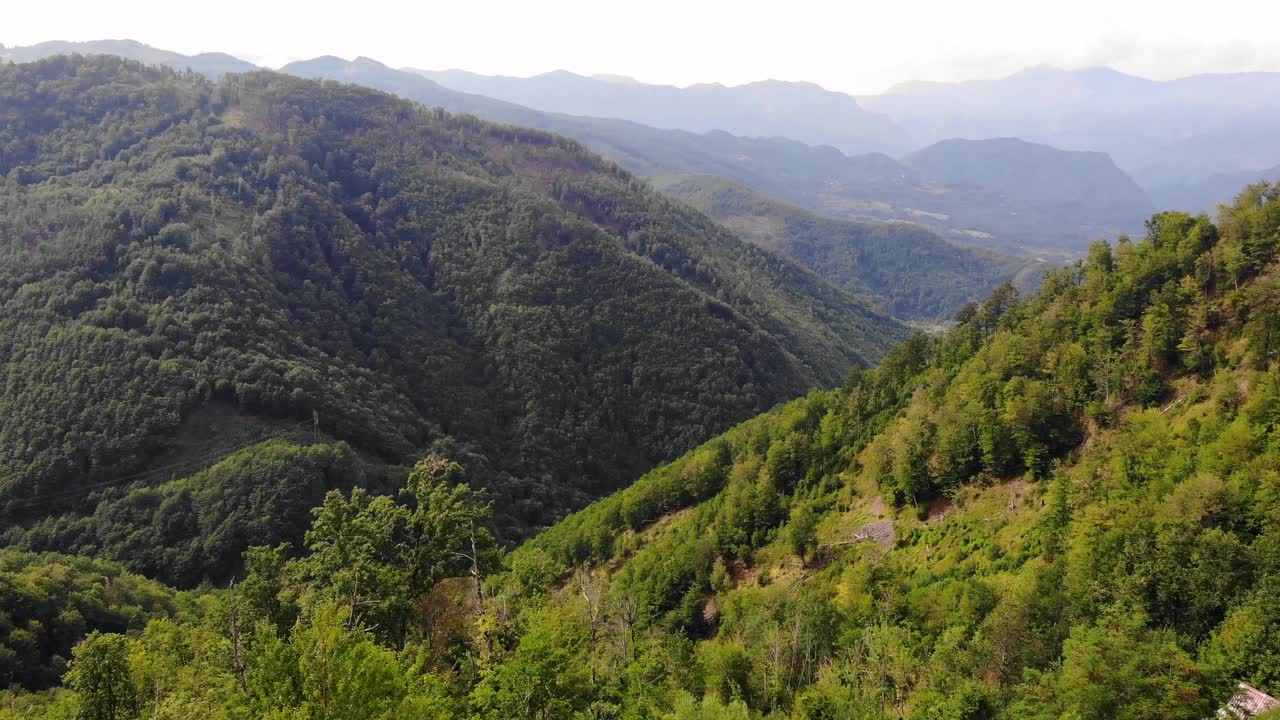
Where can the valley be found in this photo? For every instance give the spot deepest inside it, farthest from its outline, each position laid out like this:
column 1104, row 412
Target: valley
column 351, row 390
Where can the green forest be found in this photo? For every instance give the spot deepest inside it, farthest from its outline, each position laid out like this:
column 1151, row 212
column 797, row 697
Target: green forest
column 188, row 266
column 1065, row 507
column 903, row 268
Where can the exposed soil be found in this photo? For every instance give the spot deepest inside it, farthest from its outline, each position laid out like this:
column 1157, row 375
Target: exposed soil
column 878, row 507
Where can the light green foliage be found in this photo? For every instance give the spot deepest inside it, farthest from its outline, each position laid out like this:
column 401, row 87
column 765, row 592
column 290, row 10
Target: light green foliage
column 540, row 679
column 1118, row 669
column 686, row 707
column 102, row 679
column 378, row 558
column 49, row 602
column 803, row 530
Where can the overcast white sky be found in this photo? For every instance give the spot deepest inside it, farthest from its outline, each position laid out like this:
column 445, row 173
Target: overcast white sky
column 848, row 45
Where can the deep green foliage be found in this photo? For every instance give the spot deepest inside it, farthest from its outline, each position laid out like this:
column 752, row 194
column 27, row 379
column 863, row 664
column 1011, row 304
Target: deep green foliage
column 197, row 528
column 184, row 264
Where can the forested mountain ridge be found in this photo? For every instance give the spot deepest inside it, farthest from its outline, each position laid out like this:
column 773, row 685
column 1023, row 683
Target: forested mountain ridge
column 183, row 258
column 869, row 187
column 908, row 270
column 1066, row 507
column 866, row 187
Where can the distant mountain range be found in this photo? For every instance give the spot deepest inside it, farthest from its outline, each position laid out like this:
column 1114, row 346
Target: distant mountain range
column 1002, row 178
column 1166, row 134
column 1170, row 136
column 771, row 108
column 1024, row 174
column 1035, row 204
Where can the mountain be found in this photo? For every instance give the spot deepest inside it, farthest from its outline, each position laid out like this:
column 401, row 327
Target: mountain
column 771, row 108
column 214, row 65
column 190, row 267
column 1063, row 183
column 1162, row 133
column 903, row 268
column 1068, row 506
column 868, row 187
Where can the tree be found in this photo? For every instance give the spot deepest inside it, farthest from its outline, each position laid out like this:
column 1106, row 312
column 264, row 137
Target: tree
column 803, row 530
column 788, row 461
column 542, row 680
column 101, row 676
column 344, row 674
column 379, row 557
column 1247, row 644
column 1263, row 326
column 1117, row 669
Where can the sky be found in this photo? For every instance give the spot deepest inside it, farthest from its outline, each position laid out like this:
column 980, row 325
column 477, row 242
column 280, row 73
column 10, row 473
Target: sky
column 847, row 45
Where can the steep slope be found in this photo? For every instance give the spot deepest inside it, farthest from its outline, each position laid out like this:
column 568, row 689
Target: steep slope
column 909, row 271
column 771, row 108
column 1067, row 507
column 185, row 261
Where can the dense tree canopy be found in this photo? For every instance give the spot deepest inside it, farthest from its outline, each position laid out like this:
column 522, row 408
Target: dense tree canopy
column 1066, row 507
column 187, row 266
column 906, row 269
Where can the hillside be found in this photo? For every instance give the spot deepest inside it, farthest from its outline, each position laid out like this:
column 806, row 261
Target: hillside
column 903, row 268
column 1068, row 506
column 189, row 267
column 770, row 108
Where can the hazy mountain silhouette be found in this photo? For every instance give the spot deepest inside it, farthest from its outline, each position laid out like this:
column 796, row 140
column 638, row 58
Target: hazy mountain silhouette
column 1163, row 133
column 1037, row 207
column 769, row 108
column 211, row 64
column 1004, row 201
